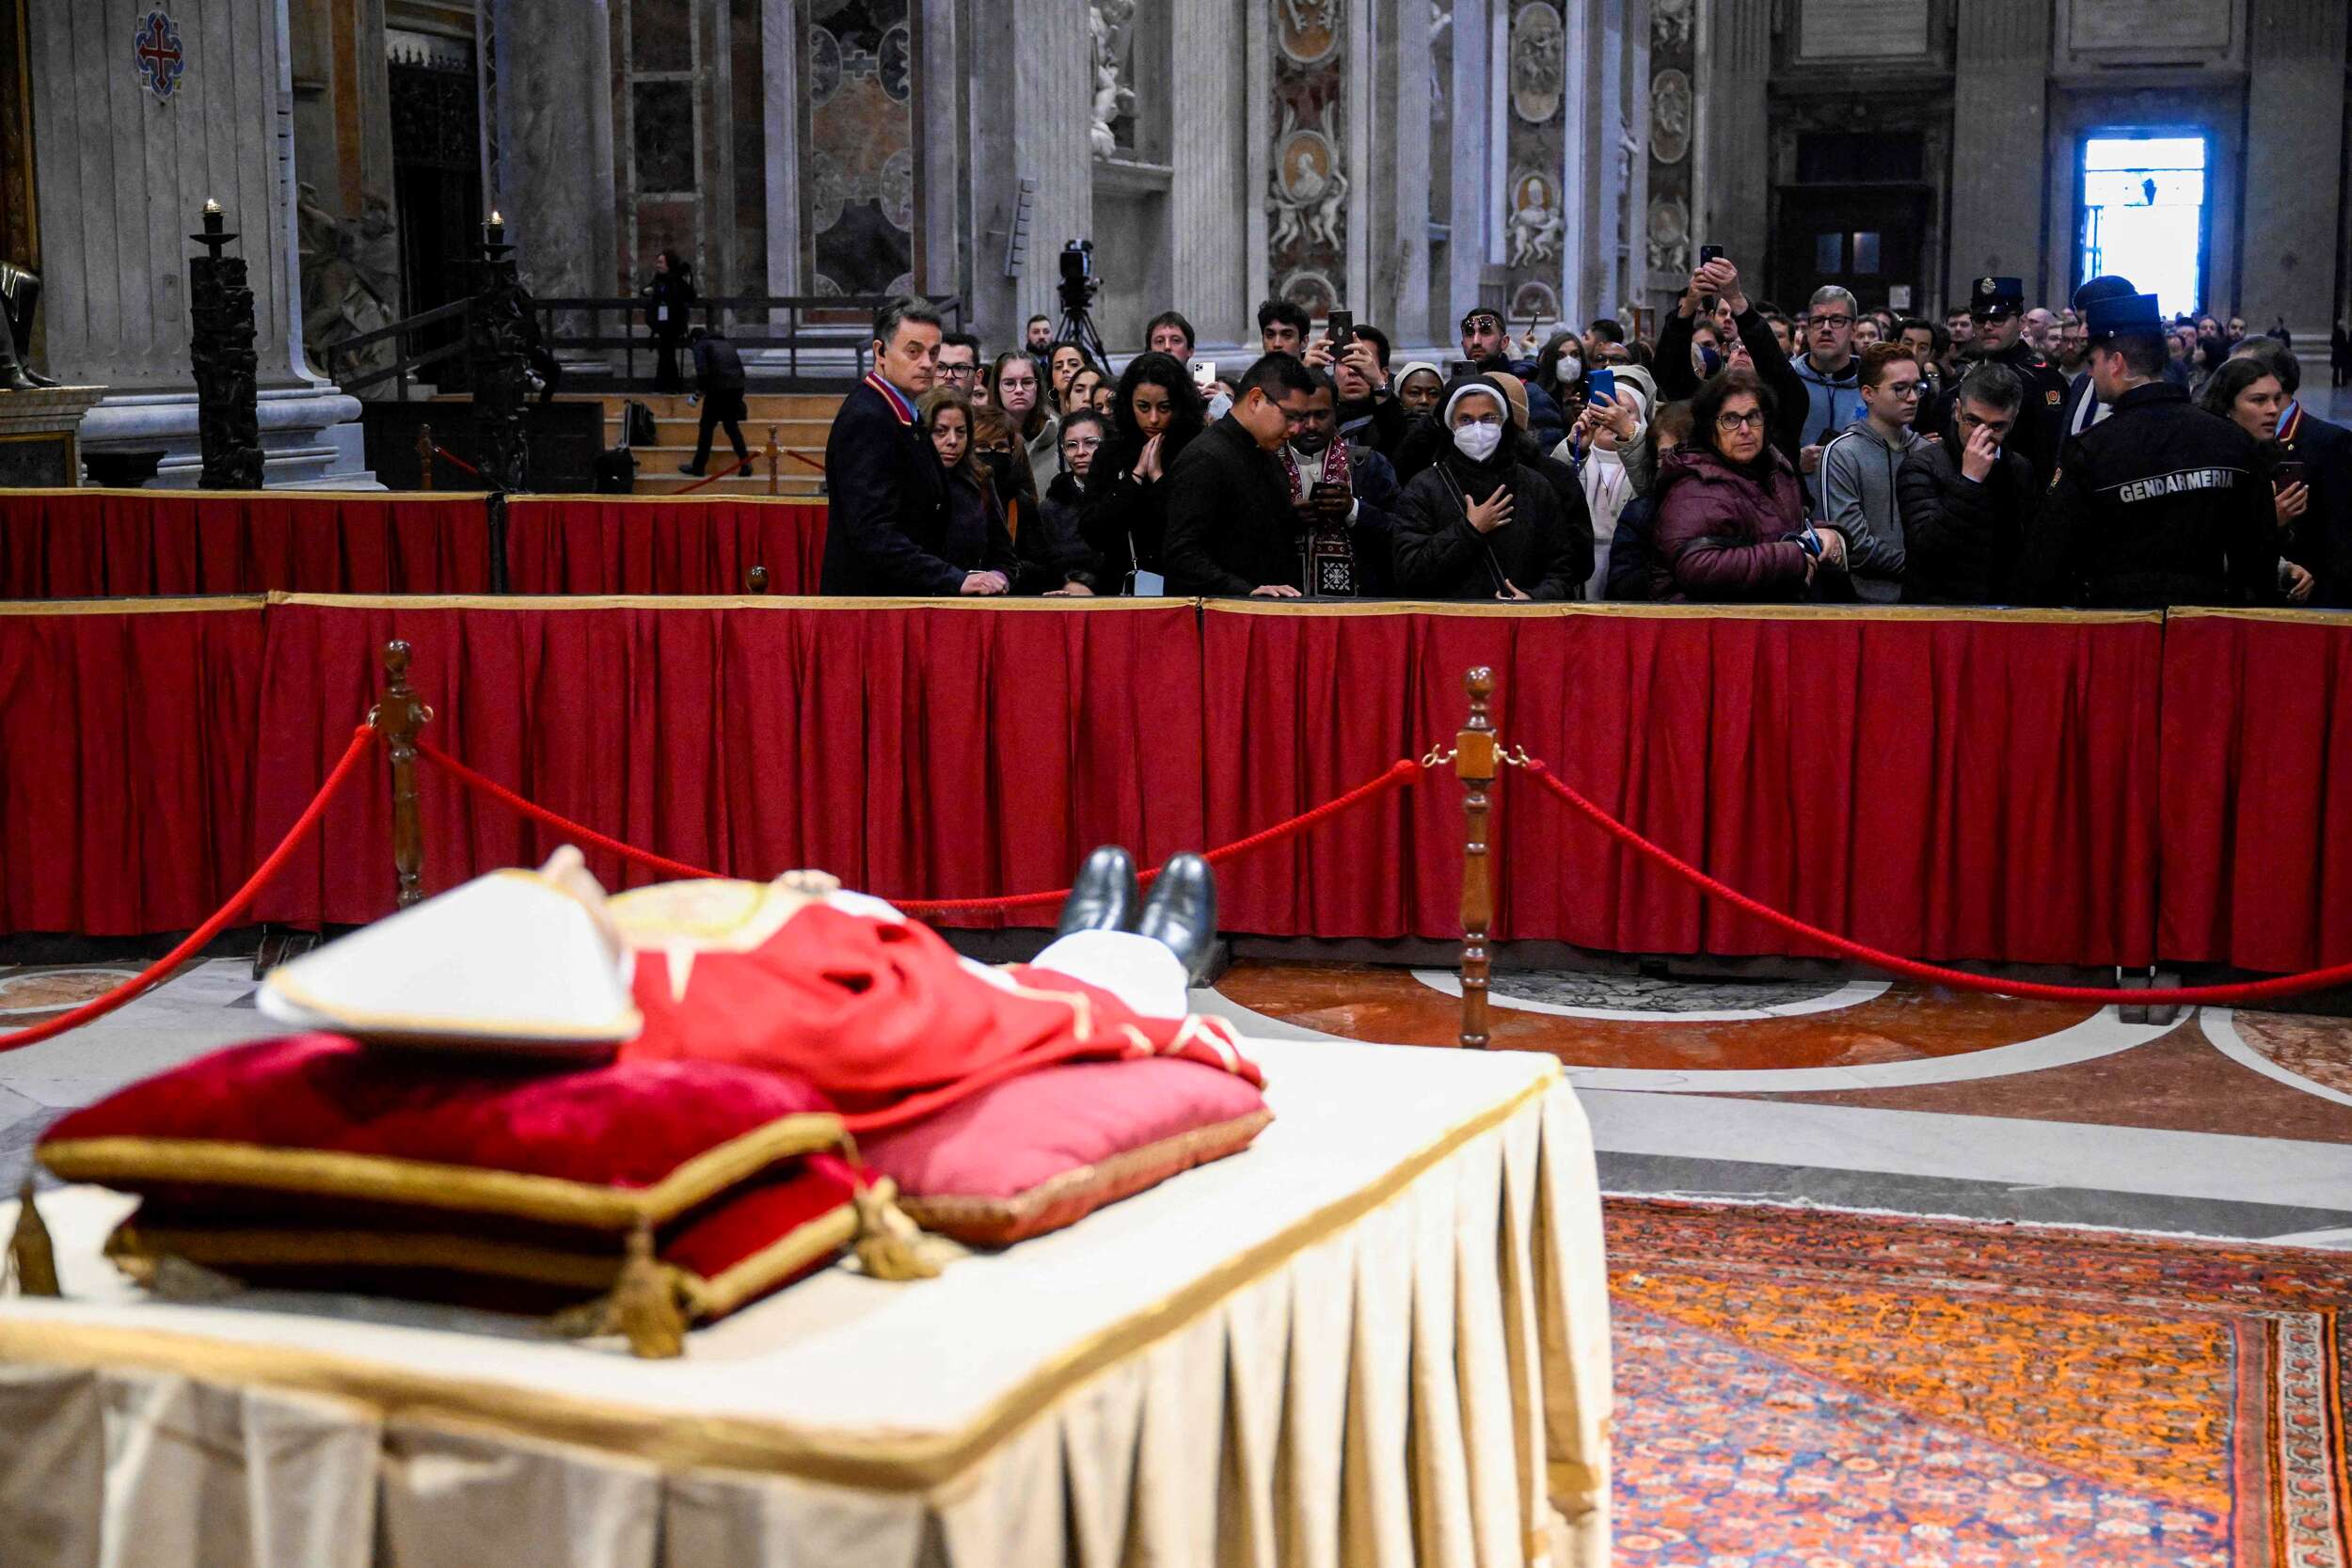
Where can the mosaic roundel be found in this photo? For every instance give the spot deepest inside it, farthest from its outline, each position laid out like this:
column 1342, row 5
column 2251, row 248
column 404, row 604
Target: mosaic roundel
column 898, row 188
column 896, row 63
column 824, row 66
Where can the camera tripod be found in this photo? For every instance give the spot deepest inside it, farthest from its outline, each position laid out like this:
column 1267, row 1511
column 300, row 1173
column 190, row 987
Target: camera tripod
column 1077, row 326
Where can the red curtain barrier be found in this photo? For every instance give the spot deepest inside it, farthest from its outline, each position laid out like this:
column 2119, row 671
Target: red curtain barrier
column 661, row 544
column 2257, row 789
column 1945, row 785
column 914, row 749
column 87, row 544
column 127, row 742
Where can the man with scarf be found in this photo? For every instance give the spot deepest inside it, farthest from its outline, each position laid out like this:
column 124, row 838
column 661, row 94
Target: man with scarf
column 1346, row 498
column 1478, row 523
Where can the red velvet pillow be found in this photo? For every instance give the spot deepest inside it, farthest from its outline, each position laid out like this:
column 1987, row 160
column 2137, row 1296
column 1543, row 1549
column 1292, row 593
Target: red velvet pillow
column 1042, row 1150
column 321, row 1162
column 726, row 1254
column 292, row 1122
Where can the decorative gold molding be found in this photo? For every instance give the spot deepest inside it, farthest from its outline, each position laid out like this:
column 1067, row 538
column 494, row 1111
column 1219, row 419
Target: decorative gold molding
column 211, row 604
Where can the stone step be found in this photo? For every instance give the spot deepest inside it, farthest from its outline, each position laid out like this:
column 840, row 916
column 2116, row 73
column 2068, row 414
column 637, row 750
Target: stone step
column 762, row 406
column 806, row 435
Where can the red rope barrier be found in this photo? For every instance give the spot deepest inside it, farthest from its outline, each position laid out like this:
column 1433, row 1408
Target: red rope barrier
column 1398, row 772
column 740, row 463
column 506, row 797
column 453, row 460
column 2258, row 990
column 194, row 942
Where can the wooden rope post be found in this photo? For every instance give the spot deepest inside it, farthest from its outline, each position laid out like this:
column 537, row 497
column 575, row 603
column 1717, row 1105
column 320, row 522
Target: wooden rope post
column 424, row 457
column 756, row 580
column 775, row 480
column 1474, row 765
column 397, row 719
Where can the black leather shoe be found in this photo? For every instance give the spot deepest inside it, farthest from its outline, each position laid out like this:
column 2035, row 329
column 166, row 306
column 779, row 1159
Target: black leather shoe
column 1181, row 914
column 1105, row 897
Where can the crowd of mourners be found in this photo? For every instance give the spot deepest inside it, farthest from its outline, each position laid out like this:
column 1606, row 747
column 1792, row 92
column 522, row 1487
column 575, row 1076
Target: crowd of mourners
column 2097, row 455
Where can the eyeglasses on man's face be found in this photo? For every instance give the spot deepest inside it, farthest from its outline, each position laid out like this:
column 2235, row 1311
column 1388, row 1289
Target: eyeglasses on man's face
column 1833, row 321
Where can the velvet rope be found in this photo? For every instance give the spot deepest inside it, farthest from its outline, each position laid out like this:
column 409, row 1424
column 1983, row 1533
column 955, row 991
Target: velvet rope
column 1399, row 773
column 539, row 814
column 2257, row 991
column 740, row 463
column 194, row 942
column 453, row 460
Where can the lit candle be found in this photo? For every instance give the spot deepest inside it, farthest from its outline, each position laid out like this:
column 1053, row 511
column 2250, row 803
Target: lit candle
column 496, row 221
column 211, row 206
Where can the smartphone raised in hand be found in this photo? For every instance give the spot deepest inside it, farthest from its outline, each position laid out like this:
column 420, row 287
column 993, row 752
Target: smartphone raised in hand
column 1203, row 374
column 1600, row 382
column 1341, row 326
column 2290, row 471
column 1710, row 253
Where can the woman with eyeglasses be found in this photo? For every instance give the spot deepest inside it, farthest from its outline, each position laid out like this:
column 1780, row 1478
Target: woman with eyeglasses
column 1731, row 525
column 1021, row 393
column 1478, row 523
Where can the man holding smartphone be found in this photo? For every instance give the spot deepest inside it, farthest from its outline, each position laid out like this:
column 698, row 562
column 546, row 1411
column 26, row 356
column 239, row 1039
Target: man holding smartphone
column 2324, row 453
column 1718, row 278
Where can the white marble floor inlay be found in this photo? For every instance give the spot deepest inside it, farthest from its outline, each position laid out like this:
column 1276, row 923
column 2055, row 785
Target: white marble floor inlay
column 2221, row 1029
column 1829, row 999
column 2006, row 1150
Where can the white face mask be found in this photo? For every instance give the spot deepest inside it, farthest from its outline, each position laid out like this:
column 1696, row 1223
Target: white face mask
column 1477, row 442
column 1571, row 369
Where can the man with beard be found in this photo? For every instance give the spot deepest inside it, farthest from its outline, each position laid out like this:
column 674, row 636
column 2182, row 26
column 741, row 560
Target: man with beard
column 1345, row 493
column 1486, row 345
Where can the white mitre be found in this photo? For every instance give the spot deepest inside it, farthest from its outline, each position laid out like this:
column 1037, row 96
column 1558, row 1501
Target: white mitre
column 516, row 961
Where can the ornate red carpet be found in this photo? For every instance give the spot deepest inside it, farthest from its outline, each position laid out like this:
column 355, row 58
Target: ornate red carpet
column 1828, row 1390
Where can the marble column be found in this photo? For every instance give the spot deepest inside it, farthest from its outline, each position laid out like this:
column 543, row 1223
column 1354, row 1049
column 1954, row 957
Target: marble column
column 1399, row 298
column 551, row 109
column 1999, row 129
column 1480, row 86
column 780, row 29
column 122, row 175
column 2294, row 129
column 1734, row 176
column 1210, row 191
column 1052, row 88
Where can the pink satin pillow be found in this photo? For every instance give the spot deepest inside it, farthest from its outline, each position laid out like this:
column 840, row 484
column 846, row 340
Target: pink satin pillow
column 1042, row 1150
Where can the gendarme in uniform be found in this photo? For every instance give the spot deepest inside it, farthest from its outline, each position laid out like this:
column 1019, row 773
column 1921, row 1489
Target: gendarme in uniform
column 2161, row 504
column 2042, row 418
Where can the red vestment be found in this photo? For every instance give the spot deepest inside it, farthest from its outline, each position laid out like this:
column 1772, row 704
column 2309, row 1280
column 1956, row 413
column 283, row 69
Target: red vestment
column 887, row 1020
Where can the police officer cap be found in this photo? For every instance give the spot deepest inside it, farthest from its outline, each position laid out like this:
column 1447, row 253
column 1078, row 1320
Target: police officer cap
column 2105, row 285
column 2105, row 318
column 1996, row 296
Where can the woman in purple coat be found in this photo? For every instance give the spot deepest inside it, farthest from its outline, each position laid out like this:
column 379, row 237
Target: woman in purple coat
column 1731, row 524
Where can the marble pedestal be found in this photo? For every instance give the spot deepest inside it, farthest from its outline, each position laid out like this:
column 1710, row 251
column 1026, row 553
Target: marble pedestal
column 311, row 437
column 37, row 436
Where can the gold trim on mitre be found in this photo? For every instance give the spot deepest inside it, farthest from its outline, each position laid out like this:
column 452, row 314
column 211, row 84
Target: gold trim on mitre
column 714, row 914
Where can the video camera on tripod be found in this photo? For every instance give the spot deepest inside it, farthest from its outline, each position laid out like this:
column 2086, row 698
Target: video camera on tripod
column 1078, row 282
column 1077, row 288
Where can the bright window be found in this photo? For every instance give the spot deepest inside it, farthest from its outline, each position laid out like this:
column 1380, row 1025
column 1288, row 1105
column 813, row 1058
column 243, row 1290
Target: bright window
column 2144, row 214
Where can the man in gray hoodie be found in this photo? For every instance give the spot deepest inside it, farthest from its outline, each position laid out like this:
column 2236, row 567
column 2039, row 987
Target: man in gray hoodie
column 1858, row 469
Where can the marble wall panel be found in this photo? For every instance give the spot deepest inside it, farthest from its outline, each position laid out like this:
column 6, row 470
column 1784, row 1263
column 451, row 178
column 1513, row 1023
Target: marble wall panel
column 1308, row 184
column 857, row 74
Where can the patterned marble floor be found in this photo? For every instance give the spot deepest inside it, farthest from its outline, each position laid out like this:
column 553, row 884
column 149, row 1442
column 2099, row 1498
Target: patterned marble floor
column 1870, row 1095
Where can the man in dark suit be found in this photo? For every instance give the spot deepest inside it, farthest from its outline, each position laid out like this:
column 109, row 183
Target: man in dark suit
column 889, row 495
column 2324, row 532
column 1231, row 526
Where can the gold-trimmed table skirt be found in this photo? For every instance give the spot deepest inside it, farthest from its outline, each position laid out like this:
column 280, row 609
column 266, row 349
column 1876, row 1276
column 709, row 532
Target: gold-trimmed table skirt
column 1380, row 1336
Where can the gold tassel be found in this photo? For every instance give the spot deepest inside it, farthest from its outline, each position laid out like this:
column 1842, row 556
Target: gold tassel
column 888, row 1242
column 643, row 1307
column 32, row 1256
